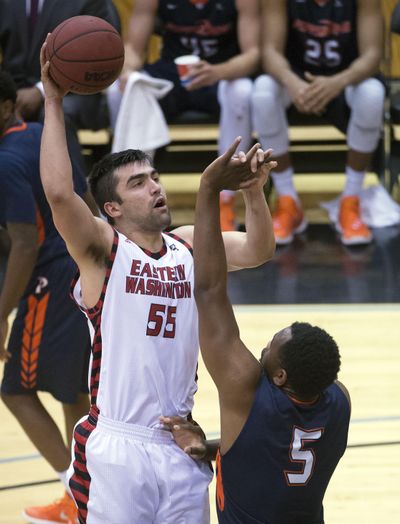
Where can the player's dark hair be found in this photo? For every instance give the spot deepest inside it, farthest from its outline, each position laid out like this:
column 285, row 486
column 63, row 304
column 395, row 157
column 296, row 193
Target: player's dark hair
column 102, row 179
column 311, row 359
column 8, row 89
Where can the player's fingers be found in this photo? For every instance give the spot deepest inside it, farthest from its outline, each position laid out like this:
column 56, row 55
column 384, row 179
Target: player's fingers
column 257, row 160
column 252, row 151
column 268, row 154
column 43, row 54
column 171, row 421
column 309, row 77
column 242, row 157
column 195, row 451
column 270, row 165
column 260, row 156
column 229, row 153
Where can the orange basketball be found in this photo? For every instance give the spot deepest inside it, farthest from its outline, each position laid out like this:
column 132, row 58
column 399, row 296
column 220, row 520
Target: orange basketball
column 86, row 54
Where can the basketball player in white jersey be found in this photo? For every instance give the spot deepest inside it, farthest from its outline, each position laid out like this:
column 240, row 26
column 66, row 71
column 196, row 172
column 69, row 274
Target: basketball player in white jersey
column 136, row 288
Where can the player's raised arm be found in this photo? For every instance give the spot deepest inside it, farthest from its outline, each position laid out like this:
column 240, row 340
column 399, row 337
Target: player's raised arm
column 226, row 357
column 257, row 245
column 72, row 217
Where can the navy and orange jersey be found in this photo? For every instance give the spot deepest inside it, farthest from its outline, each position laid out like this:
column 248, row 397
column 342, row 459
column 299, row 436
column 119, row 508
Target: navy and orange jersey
column 206, row 28
column 322, row 35
column 22, row 199
column 280, row 465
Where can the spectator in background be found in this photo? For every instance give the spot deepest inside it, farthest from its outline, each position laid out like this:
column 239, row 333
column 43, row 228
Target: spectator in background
column 24, row 26
column 321, row 56
column 48, row 348
column 224, row 34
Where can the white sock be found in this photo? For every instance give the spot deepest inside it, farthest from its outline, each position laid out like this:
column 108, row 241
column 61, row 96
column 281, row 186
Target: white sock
column 283, row 183
column 62, row 475
column 354, row 182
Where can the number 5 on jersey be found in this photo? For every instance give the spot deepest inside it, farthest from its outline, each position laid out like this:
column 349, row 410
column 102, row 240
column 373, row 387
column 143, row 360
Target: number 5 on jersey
column 304, row 457
column 162, row 320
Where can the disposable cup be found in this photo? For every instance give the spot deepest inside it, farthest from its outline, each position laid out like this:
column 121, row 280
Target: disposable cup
column 183, row 64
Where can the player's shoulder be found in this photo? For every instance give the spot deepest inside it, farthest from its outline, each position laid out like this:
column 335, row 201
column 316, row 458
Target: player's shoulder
column 344, row 390
column 184, row 233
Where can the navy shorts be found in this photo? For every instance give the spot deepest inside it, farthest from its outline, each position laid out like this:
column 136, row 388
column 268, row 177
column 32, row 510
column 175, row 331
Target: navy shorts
column 179, row 99
column 49, row 340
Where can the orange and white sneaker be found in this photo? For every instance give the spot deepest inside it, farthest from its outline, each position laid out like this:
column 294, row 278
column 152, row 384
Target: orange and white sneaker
column 227, row 214
column 352, row 229
column 61, row 511
column 288, row 220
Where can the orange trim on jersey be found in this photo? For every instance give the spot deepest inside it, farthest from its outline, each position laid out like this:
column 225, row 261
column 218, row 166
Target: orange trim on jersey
column 220, row 485
column 15, row 129
column 31, row 338
column 303, row 402
column 40, row 227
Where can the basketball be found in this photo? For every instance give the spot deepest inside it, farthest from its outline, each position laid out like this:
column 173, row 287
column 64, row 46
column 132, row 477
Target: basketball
column 86, row 54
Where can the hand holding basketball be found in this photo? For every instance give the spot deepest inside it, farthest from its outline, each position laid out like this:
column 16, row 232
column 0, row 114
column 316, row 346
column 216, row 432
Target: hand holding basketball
column 85, row 54
column 51, row 89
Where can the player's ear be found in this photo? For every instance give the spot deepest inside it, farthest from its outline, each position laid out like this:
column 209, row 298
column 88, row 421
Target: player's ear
column 280, row 377
column 112, row 209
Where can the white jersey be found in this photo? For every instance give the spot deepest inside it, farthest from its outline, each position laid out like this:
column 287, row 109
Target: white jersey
column 145, row 333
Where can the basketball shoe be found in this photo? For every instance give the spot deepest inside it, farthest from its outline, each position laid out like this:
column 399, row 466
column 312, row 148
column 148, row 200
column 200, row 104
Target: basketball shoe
column 227, row 213
column 352, row 229
column 60, row 511
column 288, row 220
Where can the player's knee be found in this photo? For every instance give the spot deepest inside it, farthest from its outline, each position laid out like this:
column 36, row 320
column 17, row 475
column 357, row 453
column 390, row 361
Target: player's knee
column 235, row 96
column 265, row 94
column 267, row 109
column 367, row 110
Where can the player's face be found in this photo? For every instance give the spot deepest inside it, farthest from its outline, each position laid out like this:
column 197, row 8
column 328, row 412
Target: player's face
column 270, row 359
column 144, row 202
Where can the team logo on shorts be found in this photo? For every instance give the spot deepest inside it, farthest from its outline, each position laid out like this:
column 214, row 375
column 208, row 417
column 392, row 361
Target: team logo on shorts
column 41, row 285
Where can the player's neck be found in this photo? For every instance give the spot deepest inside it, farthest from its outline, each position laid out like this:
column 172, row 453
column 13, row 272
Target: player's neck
column 297, row 399
column 151, row 241
column 13, row 121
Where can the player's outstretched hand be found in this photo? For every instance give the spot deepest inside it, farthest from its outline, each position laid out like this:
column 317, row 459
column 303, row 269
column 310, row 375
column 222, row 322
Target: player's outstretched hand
column 239, row 171
column 51, row 89
column 189, row 437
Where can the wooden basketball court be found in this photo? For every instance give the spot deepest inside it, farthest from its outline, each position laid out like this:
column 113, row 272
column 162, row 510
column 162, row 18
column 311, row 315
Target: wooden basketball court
column 365, row 486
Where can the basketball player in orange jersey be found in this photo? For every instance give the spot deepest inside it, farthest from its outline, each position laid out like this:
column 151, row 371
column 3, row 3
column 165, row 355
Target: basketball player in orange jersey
column 136, row 288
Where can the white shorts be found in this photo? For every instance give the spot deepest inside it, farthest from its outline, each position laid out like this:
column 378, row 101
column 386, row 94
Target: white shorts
column 128, row 474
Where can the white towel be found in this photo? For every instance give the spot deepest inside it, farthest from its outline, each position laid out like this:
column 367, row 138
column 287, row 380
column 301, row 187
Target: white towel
column 140, row 122
column 377, row 207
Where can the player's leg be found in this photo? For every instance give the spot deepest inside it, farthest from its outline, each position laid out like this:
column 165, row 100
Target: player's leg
column 40, row 428
column 49, row 343
column 183, row 486
column 366, row 102
column 74, row 412
column 112, row 479
column 234, row 97
column 269, row 103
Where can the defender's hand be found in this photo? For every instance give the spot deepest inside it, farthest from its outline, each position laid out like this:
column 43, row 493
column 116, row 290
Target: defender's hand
column 190, row 438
